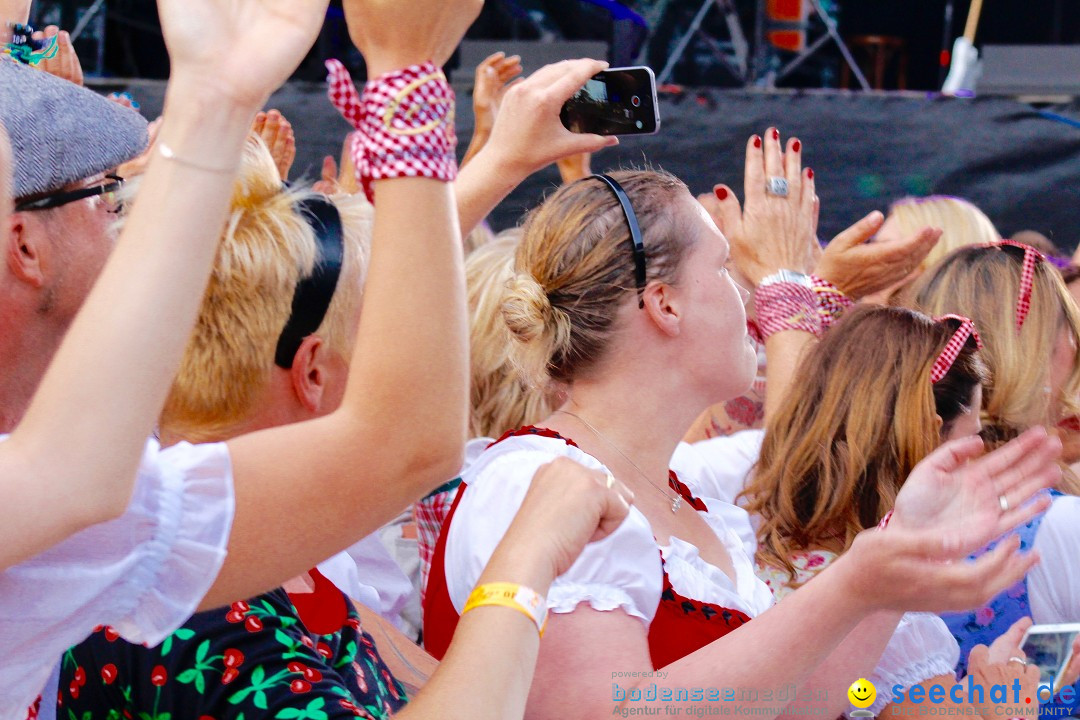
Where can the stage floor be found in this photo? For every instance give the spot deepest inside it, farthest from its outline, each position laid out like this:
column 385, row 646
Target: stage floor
column 1019, row 164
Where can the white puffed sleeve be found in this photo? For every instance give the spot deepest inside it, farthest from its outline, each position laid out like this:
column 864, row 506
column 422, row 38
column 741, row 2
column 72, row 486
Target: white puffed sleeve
column 921, row 648
column 621, row 571
column 1054, row 584
column 144, row 573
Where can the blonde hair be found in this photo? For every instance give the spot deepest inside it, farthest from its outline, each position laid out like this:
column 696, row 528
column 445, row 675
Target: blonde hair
column 575, row 266
column 837, row 452
column 266, row 249
column 983, row 283
column 501, row 400
column 962, row 223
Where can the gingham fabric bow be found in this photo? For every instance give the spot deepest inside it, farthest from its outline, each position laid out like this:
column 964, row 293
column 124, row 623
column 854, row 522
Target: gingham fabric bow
column 952, row 348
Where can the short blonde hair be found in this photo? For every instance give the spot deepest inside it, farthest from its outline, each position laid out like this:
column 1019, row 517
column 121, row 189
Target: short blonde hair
column 501, row 399
column 266, row 249
column 961, row 223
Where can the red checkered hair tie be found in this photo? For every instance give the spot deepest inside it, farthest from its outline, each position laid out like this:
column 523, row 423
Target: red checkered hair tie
column 956, row 343
column 1027, row 278
column 405, row 120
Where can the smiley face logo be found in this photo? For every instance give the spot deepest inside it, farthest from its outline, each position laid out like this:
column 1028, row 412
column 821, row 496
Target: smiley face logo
column 862, row 693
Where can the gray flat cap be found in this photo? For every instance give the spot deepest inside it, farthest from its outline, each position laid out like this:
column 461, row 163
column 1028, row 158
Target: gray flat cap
column 60, row 132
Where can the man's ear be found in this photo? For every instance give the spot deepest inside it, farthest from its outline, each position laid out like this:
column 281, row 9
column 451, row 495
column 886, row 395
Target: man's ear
column 23, row 249
column 308, row 374
column 662, row 308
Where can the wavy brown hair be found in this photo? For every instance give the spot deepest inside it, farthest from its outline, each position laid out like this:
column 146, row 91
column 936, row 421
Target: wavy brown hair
column 837, row 451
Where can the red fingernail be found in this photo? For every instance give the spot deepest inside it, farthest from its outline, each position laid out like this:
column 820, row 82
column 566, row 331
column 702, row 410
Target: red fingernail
column 721, row 193
column 775, row 134
column 796, row 146
column 757, row 141
column 809, row 173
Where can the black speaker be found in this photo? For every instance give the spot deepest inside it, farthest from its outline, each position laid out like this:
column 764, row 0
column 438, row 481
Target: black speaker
column 1030, row 70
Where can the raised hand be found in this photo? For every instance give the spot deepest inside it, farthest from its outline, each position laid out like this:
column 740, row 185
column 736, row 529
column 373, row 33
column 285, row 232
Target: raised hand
column 328, row 177
column 969, row 498
column 574, row 167
column 528, row 133
column 771, row 231
column 860, row 268
column 392, row 34
column 277, row 132
column 65, row 64
column 492, row 77
column 242, row 49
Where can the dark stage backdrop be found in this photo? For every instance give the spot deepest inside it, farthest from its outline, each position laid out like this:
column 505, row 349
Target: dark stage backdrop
column 1020, row 165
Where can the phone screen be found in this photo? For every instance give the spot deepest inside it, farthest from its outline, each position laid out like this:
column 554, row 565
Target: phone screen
column 615, row 102
column 1050, row 651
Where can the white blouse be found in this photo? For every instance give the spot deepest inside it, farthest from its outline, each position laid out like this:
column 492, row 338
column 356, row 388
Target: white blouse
column 1054, row 584
column 144, row 573
column 720, row 467
column 621, row 571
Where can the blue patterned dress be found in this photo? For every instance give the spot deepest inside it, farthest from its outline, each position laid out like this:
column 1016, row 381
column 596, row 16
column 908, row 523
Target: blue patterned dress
column 983, row 625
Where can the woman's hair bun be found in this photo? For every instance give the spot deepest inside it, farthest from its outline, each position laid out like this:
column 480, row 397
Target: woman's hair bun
column 541, row 332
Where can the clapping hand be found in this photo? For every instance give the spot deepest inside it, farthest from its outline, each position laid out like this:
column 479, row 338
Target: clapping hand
column 777, row 224
column 860, row 268
column 65, row 63
column 971, row 498
column 492, row 78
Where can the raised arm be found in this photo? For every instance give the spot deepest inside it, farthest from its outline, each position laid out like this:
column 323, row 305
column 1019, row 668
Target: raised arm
column 884, row 573
column 527, row 136
column 400, row 430
column 71, row 462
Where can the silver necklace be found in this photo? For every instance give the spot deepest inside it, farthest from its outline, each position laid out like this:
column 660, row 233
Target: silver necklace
column 676, row 502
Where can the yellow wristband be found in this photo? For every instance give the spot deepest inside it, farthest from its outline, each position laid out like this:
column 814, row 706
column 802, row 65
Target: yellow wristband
column 511, row 595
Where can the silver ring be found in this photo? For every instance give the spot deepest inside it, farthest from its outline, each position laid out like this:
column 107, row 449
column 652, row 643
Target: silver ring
column 777, row 186
column 610, row 481
column 1004, row 503
column 1018, row 659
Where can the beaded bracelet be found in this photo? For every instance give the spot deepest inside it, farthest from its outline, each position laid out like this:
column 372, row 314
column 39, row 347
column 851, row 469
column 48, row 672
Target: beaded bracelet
column 526, row 601
column 831, row 301
column 406, row 123
column 786, row 306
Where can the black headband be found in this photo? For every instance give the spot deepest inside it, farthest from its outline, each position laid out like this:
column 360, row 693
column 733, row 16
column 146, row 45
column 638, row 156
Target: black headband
column 313, row 293
column 636, row 241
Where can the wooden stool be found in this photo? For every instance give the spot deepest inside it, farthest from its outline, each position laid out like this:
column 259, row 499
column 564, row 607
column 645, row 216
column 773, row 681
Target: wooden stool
column 879, row 50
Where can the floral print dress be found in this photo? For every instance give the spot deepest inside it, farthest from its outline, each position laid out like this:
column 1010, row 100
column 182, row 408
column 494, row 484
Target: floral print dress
column 255, row 659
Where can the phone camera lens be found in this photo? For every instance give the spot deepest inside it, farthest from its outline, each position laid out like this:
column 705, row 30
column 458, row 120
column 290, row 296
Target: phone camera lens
column 635, row 101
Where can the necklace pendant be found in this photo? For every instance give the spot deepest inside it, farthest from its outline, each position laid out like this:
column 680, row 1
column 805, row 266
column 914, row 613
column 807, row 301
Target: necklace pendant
column 676, row 504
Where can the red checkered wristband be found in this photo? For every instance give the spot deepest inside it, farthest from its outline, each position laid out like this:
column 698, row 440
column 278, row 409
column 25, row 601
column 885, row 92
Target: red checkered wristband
column 406, row 123
column 786, row 306
column 831, row 301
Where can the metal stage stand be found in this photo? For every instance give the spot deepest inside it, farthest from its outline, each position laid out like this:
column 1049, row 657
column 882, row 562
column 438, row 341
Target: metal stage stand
column 737, row 61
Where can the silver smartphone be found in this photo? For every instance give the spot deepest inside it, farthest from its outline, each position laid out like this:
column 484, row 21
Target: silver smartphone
column 1050, row 648
column 619, row 101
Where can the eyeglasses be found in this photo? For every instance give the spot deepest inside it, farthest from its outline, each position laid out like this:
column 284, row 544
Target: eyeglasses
column 108, row 190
